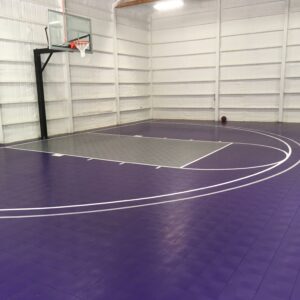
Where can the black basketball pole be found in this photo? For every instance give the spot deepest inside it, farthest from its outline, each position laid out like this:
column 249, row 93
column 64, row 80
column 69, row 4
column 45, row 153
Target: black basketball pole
column 39, row 68
column 40, row 93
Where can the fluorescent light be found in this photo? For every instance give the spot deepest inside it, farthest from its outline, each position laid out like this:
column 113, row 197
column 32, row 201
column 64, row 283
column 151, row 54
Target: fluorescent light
column 55, row 22
column 168, row 5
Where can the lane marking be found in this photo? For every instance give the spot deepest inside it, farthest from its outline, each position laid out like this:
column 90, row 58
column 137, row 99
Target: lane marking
column 152, row 165
column 193, row 140
column 205, row 156
column 157, row 122
column 163, row 195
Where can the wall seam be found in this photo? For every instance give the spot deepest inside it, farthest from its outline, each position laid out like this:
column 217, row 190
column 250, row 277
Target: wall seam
column 69, row 94
column 284, row 60
column 116, row 66
column 1, row 127
column 151, row 71
column 218, row 55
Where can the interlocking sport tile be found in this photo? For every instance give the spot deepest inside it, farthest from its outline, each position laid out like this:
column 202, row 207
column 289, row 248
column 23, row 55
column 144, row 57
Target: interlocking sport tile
column 215, row 248
column 38, row 292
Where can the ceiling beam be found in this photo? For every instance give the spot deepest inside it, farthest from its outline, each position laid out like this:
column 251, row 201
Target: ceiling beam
column 126, row 3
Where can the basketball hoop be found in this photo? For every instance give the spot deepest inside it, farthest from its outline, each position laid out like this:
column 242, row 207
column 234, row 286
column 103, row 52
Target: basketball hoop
column 81, row 46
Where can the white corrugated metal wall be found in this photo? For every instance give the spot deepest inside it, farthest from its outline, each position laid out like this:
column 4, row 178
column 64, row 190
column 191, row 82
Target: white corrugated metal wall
column 81, row 94
column 134, row 66
column 184, row 62
column 22, row 24
column 240, row 58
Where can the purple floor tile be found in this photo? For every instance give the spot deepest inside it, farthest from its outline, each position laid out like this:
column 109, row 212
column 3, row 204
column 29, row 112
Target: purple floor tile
column 235, row 245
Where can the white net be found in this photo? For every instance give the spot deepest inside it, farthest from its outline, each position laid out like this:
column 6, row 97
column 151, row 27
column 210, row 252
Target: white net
column 82, row 46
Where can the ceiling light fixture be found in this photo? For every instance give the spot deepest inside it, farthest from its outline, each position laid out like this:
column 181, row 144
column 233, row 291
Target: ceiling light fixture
column 168, row 5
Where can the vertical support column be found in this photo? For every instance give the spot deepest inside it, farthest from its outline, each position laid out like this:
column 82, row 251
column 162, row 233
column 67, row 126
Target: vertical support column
column 40, row 93
column 116, row 64
column 1, row 127
column 69, row 93
column 151, row 70
column 68, row 77
column 283, row 59
column 218, row 57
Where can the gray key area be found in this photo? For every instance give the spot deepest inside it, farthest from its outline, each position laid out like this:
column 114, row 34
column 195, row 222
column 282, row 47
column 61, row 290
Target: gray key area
column 141, row 150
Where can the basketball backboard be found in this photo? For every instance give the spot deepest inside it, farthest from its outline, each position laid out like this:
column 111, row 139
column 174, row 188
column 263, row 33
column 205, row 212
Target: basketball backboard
column 67, row 31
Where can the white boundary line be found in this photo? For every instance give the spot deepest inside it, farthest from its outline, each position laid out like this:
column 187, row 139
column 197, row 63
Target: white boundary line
column 151, row 165
column 190, row 140
column 207, row 155
column 165, row 195
column 149, row 204
column 204, row 141
column 184, row 140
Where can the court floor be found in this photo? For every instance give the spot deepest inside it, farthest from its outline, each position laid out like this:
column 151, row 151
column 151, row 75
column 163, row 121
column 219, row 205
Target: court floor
column 156, row 210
